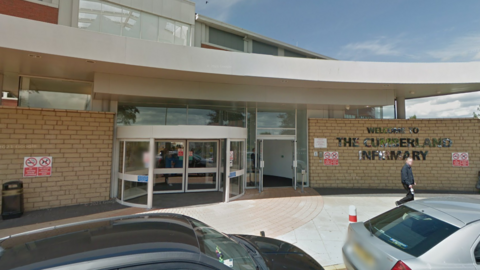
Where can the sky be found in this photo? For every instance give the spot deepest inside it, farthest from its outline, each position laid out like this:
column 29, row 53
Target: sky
column 369, row 30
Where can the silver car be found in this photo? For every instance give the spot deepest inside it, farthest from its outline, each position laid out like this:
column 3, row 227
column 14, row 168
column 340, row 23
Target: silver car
column 441, row 233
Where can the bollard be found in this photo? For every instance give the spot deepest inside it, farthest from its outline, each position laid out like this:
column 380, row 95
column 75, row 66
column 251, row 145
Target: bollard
column 352, row 214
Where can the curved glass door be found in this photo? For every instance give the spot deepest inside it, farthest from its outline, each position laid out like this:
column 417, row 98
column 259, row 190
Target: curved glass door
column 202, row 168
column 134, row 158
column 237, row 168
column 168, row 173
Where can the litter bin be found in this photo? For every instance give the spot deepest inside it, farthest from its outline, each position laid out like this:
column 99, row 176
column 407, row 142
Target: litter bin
column 12, row 199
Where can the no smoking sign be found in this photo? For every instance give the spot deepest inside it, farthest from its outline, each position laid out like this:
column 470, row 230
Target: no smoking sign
column 460, row 159
column 37, row 166
column 330, row 158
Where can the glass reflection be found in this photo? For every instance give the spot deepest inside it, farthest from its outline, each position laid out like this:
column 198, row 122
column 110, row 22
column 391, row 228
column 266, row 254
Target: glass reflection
column 150, row 115
column 237, row 152
column 198, row 181
column 276, row 119
column 204, row 116
column 168, row 182
column 114, row 19
column 236, row 186
column 251, row 141
column 169, row 155
column 202, row 154
column 136, row 158
column 54, row 94
column 276, row 131
column 135, row 192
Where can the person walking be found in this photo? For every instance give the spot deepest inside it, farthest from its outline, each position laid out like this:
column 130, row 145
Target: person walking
column 407, row 181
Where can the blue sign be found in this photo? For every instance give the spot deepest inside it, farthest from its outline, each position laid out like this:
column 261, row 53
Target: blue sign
column 142, row 178
column 232, row 174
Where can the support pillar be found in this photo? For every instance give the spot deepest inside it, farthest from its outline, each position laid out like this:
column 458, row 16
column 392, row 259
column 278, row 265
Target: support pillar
column 401, row 108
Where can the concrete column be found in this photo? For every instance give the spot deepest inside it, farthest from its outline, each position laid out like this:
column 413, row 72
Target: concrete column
column 401, row 108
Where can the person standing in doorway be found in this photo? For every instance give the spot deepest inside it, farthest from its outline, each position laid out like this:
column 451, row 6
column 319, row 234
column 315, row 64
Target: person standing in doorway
column 407, row 181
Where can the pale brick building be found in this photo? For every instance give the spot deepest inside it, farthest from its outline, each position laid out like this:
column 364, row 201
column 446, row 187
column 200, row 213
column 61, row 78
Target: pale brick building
column 132, row 100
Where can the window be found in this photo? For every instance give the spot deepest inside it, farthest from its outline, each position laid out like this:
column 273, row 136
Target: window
column 262, row 48
column 293, row 54
column 114, row 19
column 219, row 247
column 54, row 94
column 476, row 254
column 225, row 39
column 410, row 231
column 163, row 114
column 130, row 114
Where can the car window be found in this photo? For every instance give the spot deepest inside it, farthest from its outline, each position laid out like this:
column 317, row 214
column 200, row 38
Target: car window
column 476, row 253
column 409, row 230
column 216, row 245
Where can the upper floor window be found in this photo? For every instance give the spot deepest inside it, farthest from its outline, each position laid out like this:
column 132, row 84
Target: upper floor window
column 263, row 48
column 225, row 39
column 114, row 19
column 54, row 94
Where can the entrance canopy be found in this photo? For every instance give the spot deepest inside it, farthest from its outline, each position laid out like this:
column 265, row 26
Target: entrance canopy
column 27, row 47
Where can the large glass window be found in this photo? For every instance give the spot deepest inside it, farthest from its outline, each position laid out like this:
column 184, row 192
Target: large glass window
column 204, row 116
column 149, row 28
column 251, row 142
column 131, row 23
column 54, row 94
column 131, row 114
column 276, row 118
column 293, row 54
column 263, row 48
column 225, row 39
column 105, row 17
column 128, row 114
column 302, row 145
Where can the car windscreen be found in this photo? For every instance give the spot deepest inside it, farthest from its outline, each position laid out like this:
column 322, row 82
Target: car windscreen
column 409, row 230
column 220, row 247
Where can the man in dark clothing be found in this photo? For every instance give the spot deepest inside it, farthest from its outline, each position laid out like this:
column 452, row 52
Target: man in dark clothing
column 407, row 181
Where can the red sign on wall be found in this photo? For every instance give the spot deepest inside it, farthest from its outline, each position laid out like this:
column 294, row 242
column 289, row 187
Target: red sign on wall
column 330, row 158
column 37, row 166
column 460, row 159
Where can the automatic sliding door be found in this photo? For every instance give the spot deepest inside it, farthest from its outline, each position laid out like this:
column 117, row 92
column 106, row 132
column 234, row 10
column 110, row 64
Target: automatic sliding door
column 133, row 172
column 237, row 168
column 202, row 166
column 169, row 166
column 260, row 165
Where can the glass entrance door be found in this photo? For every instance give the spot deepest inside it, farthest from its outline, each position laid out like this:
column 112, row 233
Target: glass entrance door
column 237, row 168
column 202, row 166
column 133, row 169
column 294, row 165
column 168, row 173
column 261, row 165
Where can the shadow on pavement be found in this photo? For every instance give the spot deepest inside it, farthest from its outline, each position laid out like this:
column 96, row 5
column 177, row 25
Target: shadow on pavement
column 52, row 214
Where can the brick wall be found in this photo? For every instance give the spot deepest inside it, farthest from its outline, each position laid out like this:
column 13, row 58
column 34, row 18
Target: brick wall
column 434, row 173
column 80, row 143
column 29, row 10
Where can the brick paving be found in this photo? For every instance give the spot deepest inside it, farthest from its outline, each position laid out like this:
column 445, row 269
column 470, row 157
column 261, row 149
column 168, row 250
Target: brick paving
column 275, row 211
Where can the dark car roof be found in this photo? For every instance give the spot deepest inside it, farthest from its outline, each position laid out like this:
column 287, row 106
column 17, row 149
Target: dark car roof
column 126, row 235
